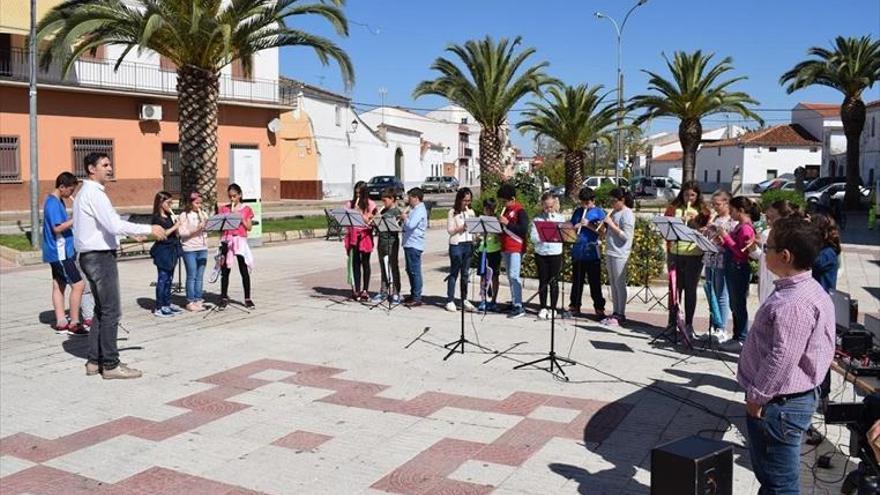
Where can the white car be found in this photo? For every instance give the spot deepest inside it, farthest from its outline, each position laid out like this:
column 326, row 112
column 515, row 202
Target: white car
column 596, row 181
column 835, row 192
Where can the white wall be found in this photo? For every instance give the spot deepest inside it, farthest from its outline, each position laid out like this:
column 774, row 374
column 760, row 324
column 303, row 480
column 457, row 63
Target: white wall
column 714, row 170
column 754, row 162
column 411, row 173
column 869, row 147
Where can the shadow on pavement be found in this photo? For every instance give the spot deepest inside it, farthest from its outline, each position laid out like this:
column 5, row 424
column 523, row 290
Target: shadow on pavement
column 700, row 414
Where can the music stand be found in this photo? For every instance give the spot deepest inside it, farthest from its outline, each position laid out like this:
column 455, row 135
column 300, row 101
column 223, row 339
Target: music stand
column 484, row 225
column 673, row 229
column 222, row 222
column 486, row 283
column 556, row 232
column 387, row 224
column 348, row 218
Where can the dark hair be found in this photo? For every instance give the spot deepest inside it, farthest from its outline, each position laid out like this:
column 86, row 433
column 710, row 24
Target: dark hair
column 586, row 194
column 506, row 191
column 65, row 179
column 160, row 198
column 234, row 187
column 801, row 238
column 748, row 206
column 459, row 199
column 416, row 192
column 359, row 197
column 389, row 192
column 622, row 194
column 91, row 160
column 191, row 197
column 827, row 229
column 679, row 200
column 786, row 208
column 490, row 204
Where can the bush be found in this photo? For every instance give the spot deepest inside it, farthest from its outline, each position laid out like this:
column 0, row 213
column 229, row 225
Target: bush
column 603, row 200
column 774, row 195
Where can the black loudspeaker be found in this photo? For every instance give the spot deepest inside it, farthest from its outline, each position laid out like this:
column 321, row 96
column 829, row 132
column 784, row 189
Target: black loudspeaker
column 692, row 466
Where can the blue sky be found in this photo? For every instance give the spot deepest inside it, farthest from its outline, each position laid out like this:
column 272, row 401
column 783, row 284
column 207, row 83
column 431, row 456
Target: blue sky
column 393, row 43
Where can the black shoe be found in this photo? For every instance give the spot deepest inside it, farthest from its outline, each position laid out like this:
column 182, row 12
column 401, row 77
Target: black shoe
column 249, row 304
column 224, row 301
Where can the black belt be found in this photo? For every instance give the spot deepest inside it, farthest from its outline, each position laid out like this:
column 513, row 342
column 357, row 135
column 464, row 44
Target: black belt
column 99, row 251
column 782, row 399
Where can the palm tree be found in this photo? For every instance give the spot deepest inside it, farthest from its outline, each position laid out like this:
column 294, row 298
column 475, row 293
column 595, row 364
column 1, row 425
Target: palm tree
column 693, row 93
column 488, row 86
column 572, row 116
column 200, row 37
column 851, row 66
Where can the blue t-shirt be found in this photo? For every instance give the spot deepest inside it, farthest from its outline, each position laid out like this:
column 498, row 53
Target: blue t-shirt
column 587, row 245
column 56, row 247
column 825, row 268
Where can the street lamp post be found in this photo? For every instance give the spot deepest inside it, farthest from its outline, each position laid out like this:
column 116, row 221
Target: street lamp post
column 618, row 28
column 32, row 115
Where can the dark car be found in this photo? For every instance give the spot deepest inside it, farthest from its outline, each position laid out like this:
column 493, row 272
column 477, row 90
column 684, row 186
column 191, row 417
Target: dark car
column 821, row 182
column 380, row 182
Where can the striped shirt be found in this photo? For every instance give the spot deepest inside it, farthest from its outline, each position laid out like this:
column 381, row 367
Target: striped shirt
column 791, row 342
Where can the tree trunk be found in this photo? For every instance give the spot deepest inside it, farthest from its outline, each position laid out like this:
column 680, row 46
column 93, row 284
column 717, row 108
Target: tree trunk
column 852, row 113
column 491, row 168
column 574, row 163
column 197, row 94
column 690, row 132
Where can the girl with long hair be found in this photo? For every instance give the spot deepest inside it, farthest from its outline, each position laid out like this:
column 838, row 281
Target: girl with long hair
column 548, row 256
column 461, row 247
column 195, row 250
column 620, row 226
column 685, row 257
column 827, row 263
column 737, row 271
column 234, row 247
column 358, row 242
column 165, row 253
column 715, row 265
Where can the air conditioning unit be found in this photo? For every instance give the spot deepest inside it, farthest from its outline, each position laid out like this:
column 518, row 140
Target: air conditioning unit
column 151, row 112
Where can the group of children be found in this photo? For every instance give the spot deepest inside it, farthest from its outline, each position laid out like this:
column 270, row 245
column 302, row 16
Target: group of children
column 509, row 247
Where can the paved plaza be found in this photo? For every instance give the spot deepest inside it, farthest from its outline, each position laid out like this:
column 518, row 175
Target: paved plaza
column 313, row 394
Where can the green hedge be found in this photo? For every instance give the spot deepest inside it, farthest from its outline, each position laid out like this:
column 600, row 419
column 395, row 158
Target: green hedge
column 774, row 195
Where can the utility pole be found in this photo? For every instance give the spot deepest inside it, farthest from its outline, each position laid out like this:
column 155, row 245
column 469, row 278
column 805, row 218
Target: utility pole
column 383, row 92
column 32, row 98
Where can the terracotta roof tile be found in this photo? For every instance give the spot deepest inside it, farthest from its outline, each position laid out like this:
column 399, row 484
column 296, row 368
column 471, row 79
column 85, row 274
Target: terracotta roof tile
column 778, row 135
column 823, row 109
column 672, row 156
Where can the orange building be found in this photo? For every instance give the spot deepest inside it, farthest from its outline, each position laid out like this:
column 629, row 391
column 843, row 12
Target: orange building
column 131, row 114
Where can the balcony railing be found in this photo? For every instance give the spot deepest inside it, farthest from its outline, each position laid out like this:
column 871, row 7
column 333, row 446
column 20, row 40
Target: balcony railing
column 135, row 77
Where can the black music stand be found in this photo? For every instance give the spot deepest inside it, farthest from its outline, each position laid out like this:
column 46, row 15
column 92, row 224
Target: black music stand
column 348, row 218
column 674, row 230
column 556, row 232
column 387, row 224
column 486, row 223
column 480, row 225
column 222, row 222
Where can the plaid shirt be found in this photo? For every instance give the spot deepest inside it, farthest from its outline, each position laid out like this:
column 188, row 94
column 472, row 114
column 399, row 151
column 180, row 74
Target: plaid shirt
column 791, row 342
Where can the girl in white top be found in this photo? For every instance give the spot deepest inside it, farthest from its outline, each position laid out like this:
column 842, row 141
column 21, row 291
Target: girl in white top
column 461, row 247
column 774, row 211
column 194, row 239
column 548, row 255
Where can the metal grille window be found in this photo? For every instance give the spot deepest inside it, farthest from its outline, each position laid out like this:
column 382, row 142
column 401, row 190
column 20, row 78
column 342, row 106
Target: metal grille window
column 10, row 165
column 82, row 147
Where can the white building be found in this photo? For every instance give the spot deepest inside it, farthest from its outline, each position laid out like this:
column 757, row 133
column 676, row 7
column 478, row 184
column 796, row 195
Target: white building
column 822, row 120
column 869, row 145
column 758, row 155
column 664, row 151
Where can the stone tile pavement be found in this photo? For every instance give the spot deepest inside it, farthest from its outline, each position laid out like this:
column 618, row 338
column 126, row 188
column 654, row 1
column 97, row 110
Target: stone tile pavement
column 314, row 394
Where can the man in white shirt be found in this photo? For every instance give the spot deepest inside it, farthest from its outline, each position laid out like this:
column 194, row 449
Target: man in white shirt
column 95, row 238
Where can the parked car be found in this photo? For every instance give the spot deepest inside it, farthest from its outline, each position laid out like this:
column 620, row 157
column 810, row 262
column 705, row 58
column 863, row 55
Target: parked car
column 439, row 184
column 378, row 184
column 450, row 184
column 821, row 182
column 834, row 192
column 596, row 181
column 657, row 187
column 558, row 191
column 774, row 183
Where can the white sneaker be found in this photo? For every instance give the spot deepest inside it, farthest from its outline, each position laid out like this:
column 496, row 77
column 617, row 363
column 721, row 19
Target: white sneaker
column 719, row 335
column 543, row 315
column 469, row 307
column 450, row 306
column 732, row 345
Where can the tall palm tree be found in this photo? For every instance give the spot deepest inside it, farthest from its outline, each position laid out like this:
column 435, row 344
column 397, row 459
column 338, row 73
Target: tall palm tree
column 200, row 37
column 572, row 116
column 693, row 93
column 493, row 79
column 851, row 66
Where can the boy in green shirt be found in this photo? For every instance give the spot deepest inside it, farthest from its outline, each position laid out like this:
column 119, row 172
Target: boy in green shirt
column 389, row 250
column 491, row 246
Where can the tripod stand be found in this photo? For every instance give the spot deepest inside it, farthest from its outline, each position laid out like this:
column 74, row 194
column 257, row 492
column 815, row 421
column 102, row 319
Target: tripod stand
column 387, row 224
column 554, row 232
column 674, row 230
column 486, row 226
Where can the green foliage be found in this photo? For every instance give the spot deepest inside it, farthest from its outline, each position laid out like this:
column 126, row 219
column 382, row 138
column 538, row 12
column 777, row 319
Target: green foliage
column 851, row 66
column 774, row 195
column 602, row 198
column 19, row 242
